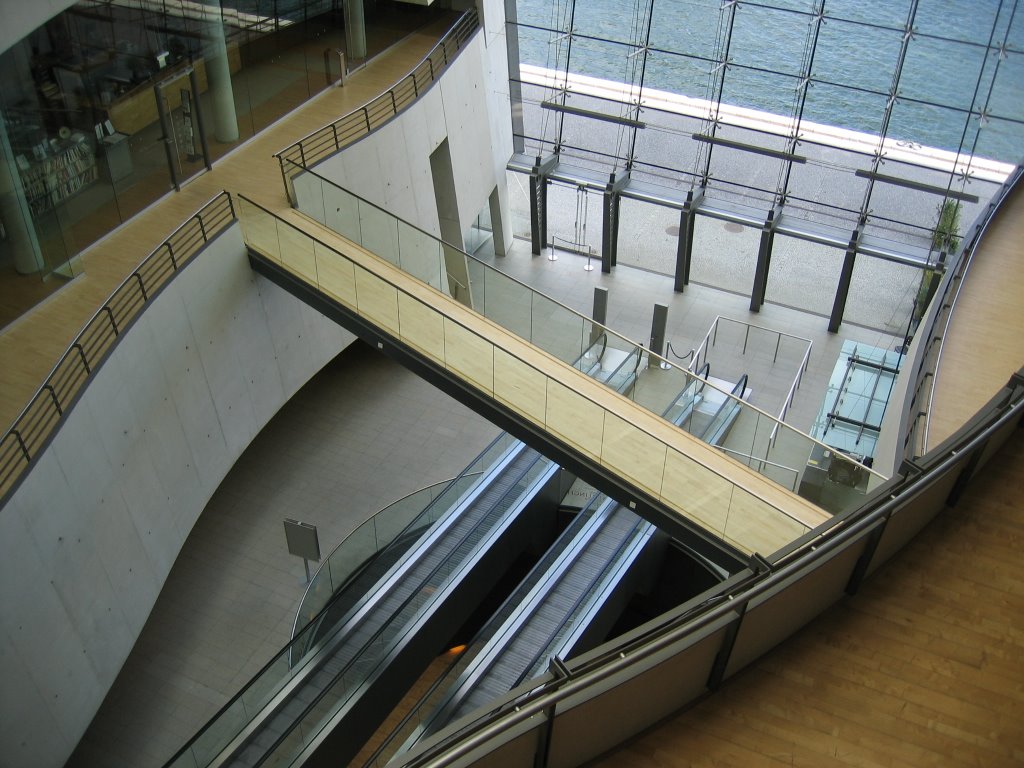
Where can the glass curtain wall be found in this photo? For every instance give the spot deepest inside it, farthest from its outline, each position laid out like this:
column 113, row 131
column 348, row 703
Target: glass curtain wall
column 842, row 114
column 113, row 103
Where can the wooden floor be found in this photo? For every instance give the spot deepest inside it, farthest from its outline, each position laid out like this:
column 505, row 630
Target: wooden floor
column 31, row 345
column 924, row 667
column 985, row 342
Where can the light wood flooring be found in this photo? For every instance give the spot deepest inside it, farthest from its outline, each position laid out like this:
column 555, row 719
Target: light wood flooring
column 924, row 667
column 31, row 345
column 984, row 345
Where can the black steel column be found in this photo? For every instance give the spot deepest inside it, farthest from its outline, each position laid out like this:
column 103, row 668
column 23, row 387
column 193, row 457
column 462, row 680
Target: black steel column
column 843, row 289
column 684, row 249
column 616, row 202
column 608, row 229
column 764, row 258
column 539, row 202
column 684, row 243
column 611, row 198
column 538, row 209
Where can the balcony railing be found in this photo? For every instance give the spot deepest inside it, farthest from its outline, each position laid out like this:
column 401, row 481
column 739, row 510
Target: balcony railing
column 335, row 136
column 32, row 429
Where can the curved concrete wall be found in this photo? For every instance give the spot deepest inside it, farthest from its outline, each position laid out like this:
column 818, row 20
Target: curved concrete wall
column 88, row 539
column 18, row 19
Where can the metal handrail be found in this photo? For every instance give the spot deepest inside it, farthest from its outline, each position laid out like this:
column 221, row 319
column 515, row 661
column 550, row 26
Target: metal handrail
column 966, row 259
column 714, row 330
column 376, row 515
column 547, row 692
column 792, row 391
column 32, row 429
column 801, row 369
column 335, row 136
column 925, row 355
column 661, row 360
column 763, row 462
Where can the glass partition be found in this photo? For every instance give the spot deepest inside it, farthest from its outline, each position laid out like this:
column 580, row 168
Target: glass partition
column 793, row 284
column 539, row 395
column 648, row 236
column 713, row 236
column 108, row 106
column 882, row 295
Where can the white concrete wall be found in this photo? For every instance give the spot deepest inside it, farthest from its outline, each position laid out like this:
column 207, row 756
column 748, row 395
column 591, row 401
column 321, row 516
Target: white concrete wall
column 469, row 106
column 17, row 19
column 91, row 534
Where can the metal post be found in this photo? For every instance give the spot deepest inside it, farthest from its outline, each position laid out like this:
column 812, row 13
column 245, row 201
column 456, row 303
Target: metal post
column 684, row 249
column 165, row 128
column 538, row 211
column 843, row 289
column 658, row 323
column 608, row 228
column 600, row 314
column 764, row 256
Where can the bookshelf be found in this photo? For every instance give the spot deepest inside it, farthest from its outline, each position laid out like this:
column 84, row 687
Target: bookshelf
column 53, row 179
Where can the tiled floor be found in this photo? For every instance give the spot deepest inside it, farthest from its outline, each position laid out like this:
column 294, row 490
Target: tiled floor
column 632, row 294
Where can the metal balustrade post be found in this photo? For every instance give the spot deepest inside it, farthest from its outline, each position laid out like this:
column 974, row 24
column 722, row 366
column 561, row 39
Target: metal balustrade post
column 142, row 285
column 53, row 396
column 81, row 354
column 21, row 443
column 110, row 314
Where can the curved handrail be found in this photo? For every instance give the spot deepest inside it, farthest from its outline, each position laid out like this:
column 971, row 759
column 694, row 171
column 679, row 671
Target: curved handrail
column 345, row 543
column 966, row 259
column 660, row 359
column 412, row 601
column 927, row 356
column 333, row 137
column 34, row 426
column 549, row 690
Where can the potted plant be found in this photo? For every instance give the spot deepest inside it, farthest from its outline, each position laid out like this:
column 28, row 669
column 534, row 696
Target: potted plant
column 945, row 239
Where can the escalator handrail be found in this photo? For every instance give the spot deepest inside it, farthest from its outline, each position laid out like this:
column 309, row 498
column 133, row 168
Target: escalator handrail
column 351, row 625
column 498, row 618
column 554, row 573
column 640, row 526
column 727, row 411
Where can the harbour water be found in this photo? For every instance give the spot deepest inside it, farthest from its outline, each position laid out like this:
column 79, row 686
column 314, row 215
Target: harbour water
column 853, row 65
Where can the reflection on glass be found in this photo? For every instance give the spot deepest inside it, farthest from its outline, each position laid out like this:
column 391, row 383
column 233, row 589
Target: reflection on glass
column 107, row 106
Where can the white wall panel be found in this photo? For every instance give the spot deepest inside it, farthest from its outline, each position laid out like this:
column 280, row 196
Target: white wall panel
column 89, row 537
column 391, row 166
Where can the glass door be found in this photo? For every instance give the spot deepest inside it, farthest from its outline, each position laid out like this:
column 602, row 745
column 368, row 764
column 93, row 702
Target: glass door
column 182, row 126
column 574, row 221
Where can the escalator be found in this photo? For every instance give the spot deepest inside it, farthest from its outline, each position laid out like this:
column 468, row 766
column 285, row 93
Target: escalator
column 572, row 598
column 418, row 589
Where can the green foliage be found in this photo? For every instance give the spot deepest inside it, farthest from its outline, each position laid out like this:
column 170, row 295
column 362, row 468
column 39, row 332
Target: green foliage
column 947, row 228
column 925, row 291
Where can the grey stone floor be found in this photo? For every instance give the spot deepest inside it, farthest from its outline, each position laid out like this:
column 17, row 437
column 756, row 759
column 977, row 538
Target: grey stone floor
column 362, row 434
column 632, row 294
